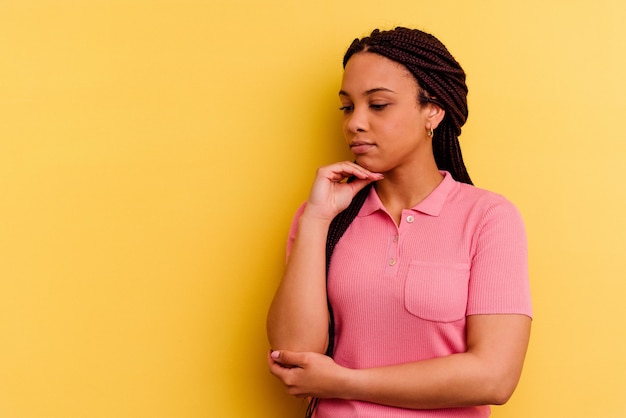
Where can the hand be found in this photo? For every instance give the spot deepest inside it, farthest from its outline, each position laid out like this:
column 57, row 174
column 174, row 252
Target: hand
column 330, row 194
column 307, row 374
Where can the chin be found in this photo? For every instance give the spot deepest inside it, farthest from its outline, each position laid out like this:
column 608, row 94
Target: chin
column 368, row 164
column 363, row 163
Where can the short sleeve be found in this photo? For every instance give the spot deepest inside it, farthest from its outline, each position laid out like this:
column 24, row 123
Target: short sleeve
column 499, row 282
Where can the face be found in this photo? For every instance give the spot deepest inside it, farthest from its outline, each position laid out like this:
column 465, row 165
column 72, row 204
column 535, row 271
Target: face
column 383, row 123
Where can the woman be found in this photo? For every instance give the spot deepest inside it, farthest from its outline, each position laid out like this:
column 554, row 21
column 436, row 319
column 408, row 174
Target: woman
column 428, row 287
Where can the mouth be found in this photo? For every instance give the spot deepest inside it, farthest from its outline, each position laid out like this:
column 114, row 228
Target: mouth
column 360, row 148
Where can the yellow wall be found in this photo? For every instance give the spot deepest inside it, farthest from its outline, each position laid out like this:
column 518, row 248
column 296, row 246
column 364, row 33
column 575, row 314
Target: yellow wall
column 152, row 153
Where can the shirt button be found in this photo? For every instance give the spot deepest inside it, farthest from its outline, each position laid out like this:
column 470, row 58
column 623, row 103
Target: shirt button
column 410, row 219
column 395, row 238
column 392, row 262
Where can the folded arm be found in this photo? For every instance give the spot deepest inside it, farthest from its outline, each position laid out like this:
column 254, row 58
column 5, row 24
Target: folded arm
column 486, row 374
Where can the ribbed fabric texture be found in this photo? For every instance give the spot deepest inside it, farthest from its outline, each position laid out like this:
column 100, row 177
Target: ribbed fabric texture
column 337, row 228
column 402, row 293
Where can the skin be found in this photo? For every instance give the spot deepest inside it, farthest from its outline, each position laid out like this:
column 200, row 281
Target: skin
column 386, row 128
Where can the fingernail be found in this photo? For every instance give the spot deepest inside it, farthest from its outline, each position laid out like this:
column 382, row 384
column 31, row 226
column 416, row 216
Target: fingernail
column 275, row 354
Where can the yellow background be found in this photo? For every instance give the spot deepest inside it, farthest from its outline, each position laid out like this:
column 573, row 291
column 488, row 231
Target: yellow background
column 152, row 153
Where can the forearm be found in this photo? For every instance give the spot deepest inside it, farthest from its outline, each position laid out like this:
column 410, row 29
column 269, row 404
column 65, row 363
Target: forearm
column 447, row 382
column 298, row 316
column 486, row 374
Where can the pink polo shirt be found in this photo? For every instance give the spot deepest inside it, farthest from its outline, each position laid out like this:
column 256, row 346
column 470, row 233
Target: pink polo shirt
column 402, row 293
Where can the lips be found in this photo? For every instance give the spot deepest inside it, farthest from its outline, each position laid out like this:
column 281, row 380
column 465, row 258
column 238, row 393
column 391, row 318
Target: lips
column 359, row 148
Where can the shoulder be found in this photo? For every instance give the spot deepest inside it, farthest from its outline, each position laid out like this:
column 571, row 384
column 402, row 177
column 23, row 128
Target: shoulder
column 483, row 200
column 471, row 192
column 458, row 199
column 481, row 210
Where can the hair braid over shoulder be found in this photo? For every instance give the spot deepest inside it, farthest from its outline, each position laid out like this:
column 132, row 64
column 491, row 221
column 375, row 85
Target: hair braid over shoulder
column 441, row 81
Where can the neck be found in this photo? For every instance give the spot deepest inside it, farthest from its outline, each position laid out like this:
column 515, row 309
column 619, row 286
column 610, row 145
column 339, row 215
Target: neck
column 403, row 190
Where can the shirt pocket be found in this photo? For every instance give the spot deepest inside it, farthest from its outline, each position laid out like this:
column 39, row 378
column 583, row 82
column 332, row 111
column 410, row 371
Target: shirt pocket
column 437, row 291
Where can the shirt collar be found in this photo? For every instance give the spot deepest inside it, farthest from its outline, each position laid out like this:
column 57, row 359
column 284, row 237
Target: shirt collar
column 431, row 205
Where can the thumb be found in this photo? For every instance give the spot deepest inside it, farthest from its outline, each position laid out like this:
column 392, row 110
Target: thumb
column 286, row 358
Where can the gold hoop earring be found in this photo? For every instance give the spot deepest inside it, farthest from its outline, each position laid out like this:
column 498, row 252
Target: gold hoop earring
column 430, row 132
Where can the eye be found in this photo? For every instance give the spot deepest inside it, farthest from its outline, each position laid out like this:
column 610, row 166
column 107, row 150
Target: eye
column 346, row 108
column 378, row 106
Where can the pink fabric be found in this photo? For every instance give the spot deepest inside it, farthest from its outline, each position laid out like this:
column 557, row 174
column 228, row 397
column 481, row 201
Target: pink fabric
column 402, row 293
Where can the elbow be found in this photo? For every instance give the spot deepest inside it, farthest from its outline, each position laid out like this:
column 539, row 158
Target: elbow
column 296, row 339
column 499, row 390
column 500, row 397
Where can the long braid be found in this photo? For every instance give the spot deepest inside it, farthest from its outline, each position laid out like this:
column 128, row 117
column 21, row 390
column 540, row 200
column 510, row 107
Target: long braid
column 441, row 81
column 448, row 155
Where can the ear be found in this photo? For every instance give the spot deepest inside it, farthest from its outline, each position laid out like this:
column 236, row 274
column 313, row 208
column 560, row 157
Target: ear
column 434, row 115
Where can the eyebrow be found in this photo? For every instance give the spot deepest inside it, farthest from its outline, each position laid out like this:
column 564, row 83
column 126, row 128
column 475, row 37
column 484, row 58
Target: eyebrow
column 369, row 92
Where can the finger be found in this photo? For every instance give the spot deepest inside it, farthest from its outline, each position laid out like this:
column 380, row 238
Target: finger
column 364, row 171
column 365, row 174
column 345, row 169
column 287, row 358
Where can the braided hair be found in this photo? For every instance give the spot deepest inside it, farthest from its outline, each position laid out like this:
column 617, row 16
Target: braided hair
column 440, row 79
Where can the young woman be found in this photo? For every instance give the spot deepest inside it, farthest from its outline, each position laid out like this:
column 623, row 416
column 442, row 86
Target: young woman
column 428, row 286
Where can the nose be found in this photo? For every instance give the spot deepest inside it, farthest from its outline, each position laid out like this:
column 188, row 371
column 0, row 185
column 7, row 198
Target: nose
column 356, row 121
